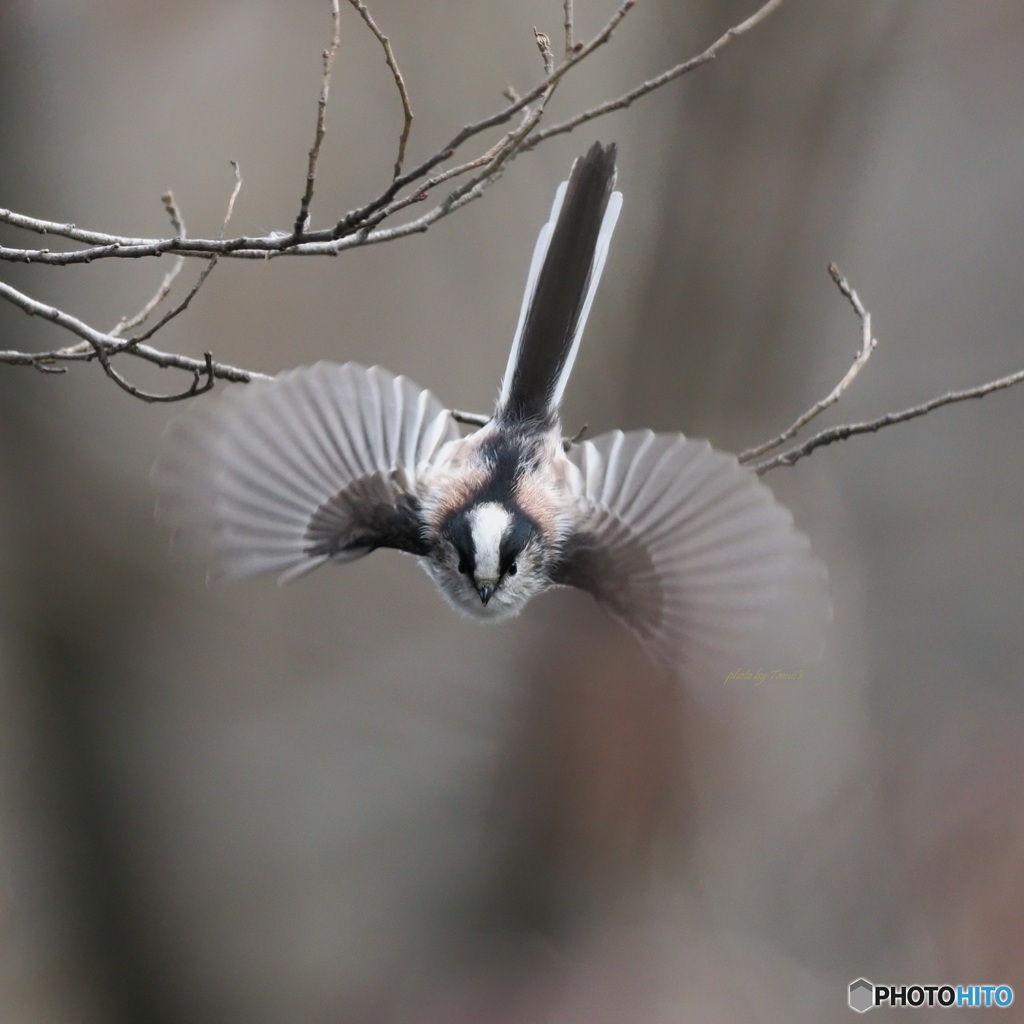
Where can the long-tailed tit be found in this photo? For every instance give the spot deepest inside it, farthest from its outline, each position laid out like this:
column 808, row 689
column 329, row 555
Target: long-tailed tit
column 330, row 462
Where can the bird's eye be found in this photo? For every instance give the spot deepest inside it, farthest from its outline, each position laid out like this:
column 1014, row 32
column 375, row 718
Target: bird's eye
column 464, row 565
column 512, row 569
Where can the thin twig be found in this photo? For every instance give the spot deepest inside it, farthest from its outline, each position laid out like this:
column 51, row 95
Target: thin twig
column 66, row 230
column 570, row 28
column 546, row 53
column 178, row 223
column 493, row 162
column 127, row 322
column 868, row 344
column 231, row 199
column 302, row 219
column 176, row 310
column 98, row 340
column 569, row 442
column 174, row 213
column 841, row 433
column 403, row 93
column 354, row 220
column 657, row 82
column 511, row 140
column 202, row 381
column 207, row 270
column 470, row 419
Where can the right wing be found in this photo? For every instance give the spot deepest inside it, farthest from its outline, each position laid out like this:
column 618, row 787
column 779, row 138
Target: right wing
column 695, row 556
column 281, row 475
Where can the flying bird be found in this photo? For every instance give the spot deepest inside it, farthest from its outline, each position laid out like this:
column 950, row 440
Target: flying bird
column 675, row 540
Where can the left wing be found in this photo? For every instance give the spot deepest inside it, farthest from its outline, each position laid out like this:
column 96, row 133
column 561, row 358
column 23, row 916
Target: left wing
column 323, row 462
column 693, row 554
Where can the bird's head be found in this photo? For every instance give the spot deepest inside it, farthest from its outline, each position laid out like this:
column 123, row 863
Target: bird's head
column 490, row 560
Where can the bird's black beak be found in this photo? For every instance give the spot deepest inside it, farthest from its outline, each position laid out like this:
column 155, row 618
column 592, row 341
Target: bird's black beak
column 485, row 590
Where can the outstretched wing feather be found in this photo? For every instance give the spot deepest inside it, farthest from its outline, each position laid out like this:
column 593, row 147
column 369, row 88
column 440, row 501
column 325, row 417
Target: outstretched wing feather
column 694, row 555
column 279, row 476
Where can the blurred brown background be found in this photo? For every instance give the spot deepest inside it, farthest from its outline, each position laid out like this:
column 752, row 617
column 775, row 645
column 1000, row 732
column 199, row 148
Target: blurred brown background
column 336, row 801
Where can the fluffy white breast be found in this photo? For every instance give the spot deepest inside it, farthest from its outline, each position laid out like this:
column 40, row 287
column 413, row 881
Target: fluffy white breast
column 488, row 523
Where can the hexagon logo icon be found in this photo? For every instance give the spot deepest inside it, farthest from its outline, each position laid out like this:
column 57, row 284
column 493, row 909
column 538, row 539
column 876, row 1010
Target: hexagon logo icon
column 862, row 995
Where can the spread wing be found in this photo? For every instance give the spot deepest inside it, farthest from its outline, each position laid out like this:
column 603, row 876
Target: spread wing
column 695, row 556
column 320, row 463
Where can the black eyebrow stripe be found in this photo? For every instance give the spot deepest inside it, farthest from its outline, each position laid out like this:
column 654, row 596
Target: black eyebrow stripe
column 456, row 528
column 514, row 541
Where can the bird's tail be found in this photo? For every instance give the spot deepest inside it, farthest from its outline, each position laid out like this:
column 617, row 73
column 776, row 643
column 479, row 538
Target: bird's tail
column 566, row 267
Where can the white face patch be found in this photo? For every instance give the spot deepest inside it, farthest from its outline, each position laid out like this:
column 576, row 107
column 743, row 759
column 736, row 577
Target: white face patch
column 487, row 524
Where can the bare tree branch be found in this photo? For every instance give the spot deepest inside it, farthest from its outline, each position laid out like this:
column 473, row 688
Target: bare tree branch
column 833, row 434
column 47, row 361
column 403, row 93
column 350, row 231
column 207, row 270
column 201, row 381
column 841, row 433
column 49, row 227
column 302, row 219
column 356, row 218
column 867, row 346
column 658, row 81
column 364, row 226
column 103, row 348
column 125, row 323
column 328, row 242
column 176, row 310
column 353, row 230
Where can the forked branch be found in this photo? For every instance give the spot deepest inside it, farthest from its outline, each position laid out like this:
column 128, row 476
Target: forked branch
column 840, row 433
column 868, row 344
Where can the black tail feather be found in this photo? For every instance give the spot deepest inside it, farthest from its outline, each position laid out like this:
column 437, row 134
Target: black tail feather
column 553, row 318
